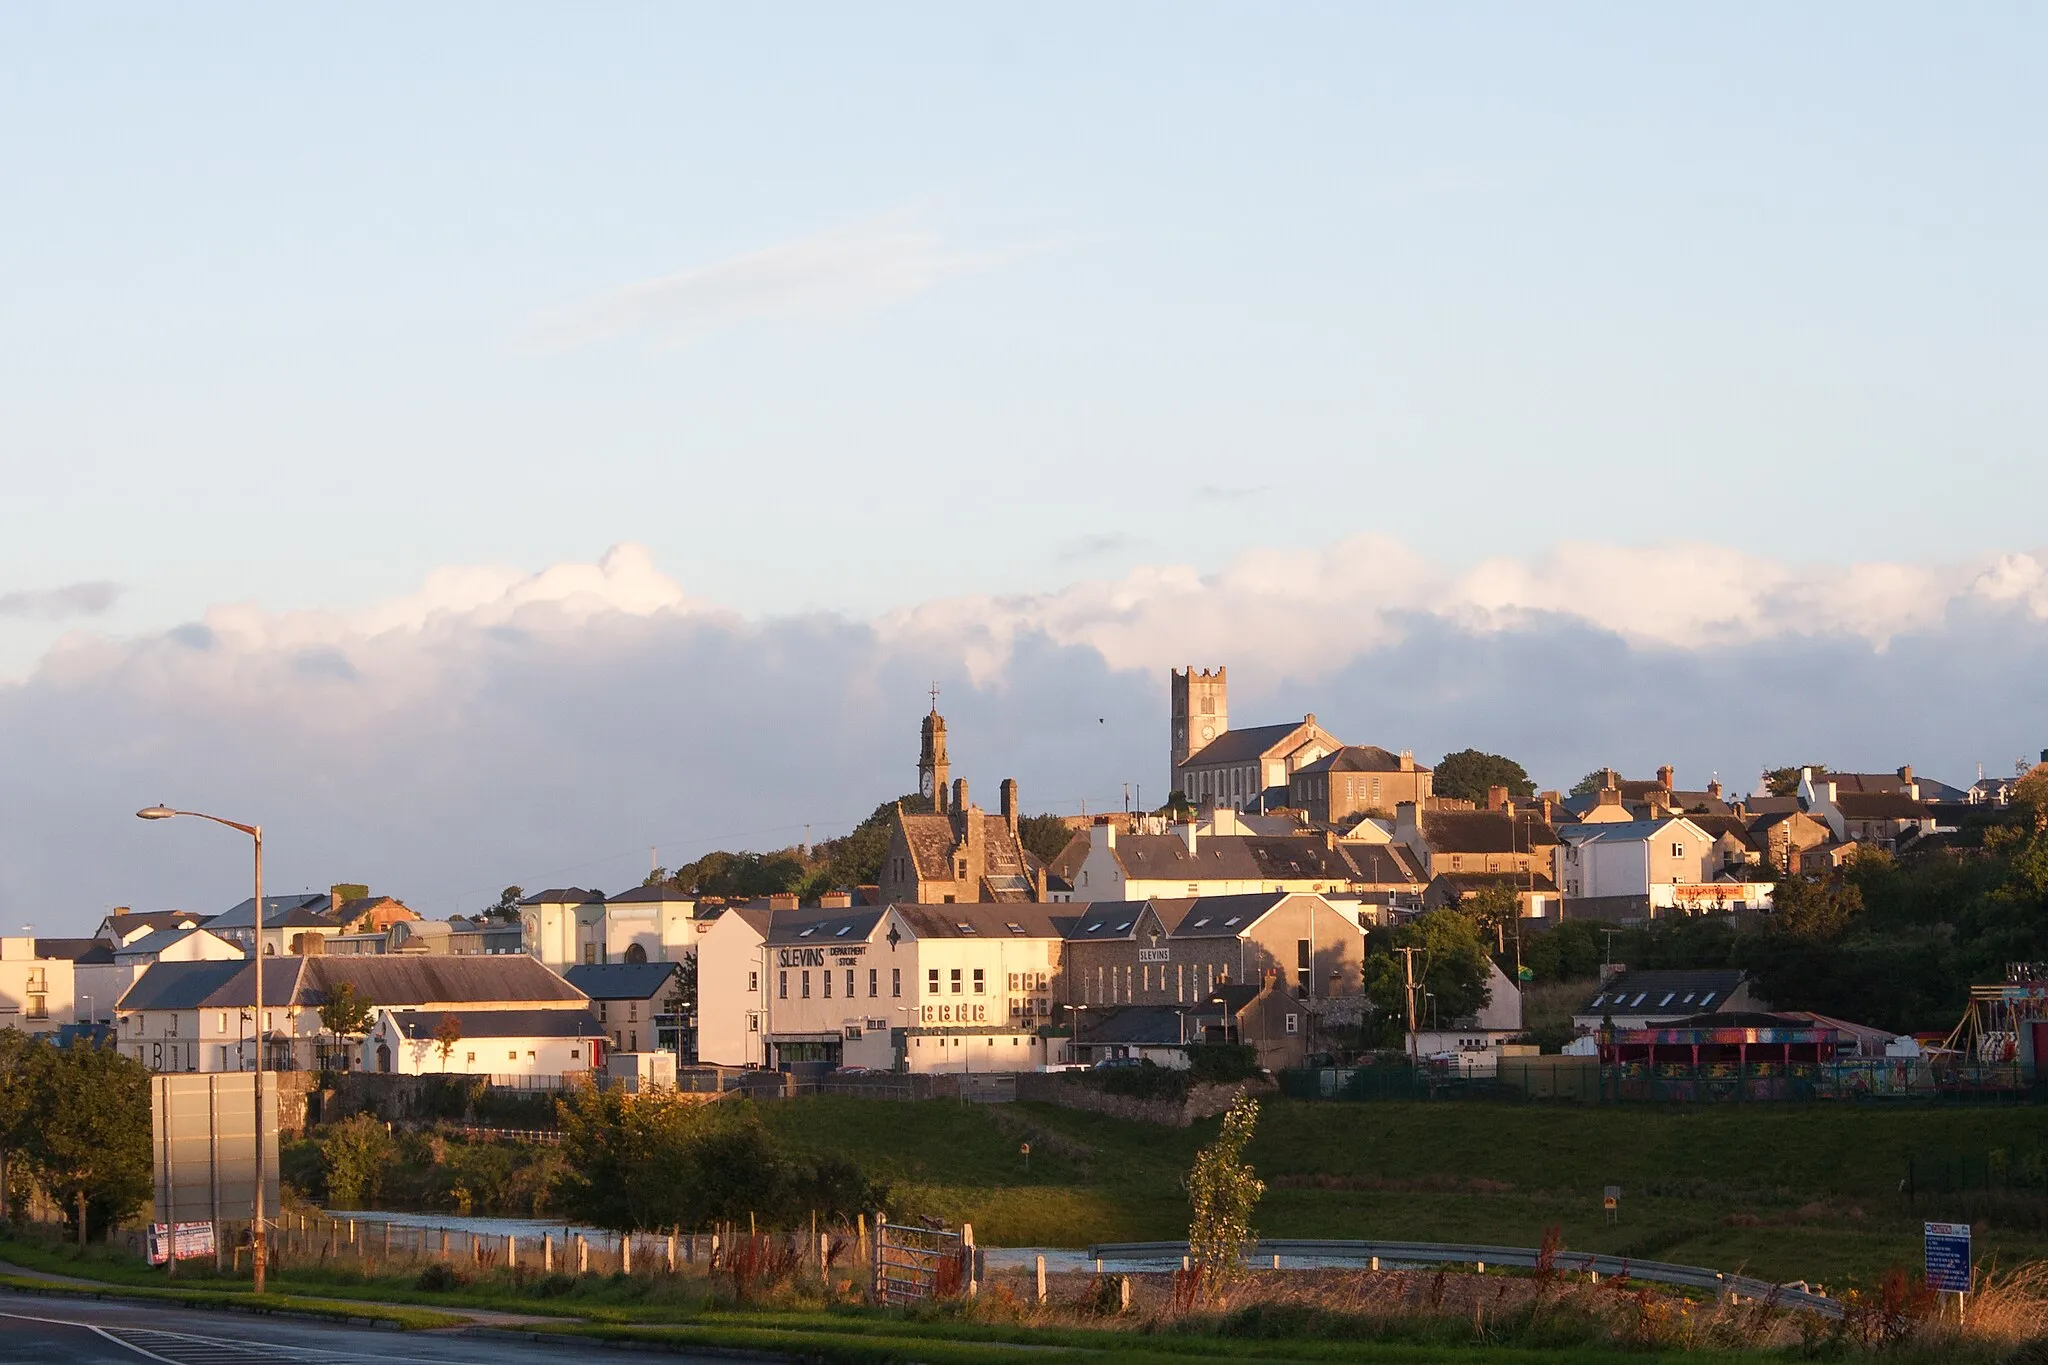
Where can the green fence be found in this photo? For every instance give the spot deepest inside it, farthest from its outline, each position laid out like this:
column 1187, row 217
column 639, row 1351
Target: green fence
column 1582, row 1080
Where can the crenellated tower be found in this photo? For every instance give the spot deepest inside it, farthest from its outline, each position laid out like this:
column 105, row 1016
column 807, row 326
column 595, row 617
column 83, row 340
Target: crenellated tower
column 1201, row 711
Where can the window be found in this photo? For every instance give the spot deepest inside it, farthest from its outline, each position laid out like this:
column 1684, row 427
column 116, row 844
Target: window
column 574, row 1053
column 827, row 974
column 873, row 983
column 808, row 932
column 1677, row 850
column 782, row 985
column 1121, row 927
column 849, row 983
column 753, row 1023
column 471, row 1062
column 895, row 982
column 806, row 984
column 931, row 981
column 511, row 1056
column 1666, row 1000
column 978, row 982
column 753, row 982
column 956, row 981
column 1304, row 966
column 1707, row 999
column 960, row 870
column 842, row 931
column 1294, row 1023
column 602, row 1017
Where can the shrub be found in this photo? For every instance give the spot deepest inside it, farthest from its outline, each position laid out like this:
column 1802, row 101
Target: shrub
column 438, row 1279
column 1222, row 1063
column 354, row 1154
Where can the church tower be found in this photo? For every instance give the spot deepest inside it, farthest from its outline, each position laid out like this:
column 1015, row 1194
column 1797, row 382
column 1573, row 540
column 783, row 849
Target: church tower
column 1201, row 711
column 932, row 767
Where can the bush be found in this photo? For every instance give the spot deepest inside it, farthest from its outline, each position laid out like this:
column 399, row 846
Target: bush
column 1147, row 1082
column 438, row 1279
column 353, row 1155
column 1222, row 1063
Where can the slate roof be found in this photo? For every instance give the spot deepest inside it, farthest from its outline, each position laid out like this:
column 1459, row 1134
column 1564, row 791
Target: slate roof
column 1706, row 803
column 153, row 919
column 1930, row 789
column 564, row 895
column 620, row 980
column 210, row 985
column 1619, row 831
column 1715, row 826
column 407, row 979
column 156, row 941
column 1243, row 746
column 1358, row 758
column 66, row 949
column 1066, row 864
column 1484, row 831
column 931, row 840
column 421, row 1024
column 984, row 920
column 1215, row 916
column 1648, row 990
column 1879, row 806
column 1105, row 919
column 1165, row 857
column 664, row 893
column 278, row 911
column 1132, row 1026
column 815, row 928
column 1381, row 864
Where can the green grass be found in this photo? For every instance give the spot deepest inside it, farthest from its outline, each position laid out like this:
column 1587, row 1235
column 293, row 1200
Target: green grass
column 1781, row 1191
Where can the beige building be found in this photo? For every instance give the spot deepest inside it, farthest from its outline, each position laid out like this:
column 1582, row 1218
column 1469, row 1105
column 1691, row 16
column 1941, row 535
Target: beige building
column 732, row 988
column 963, row 855
column 1357, row 780
column 1247, row 769
column 37, row 989
column 1177, row 952
column 1183, row 861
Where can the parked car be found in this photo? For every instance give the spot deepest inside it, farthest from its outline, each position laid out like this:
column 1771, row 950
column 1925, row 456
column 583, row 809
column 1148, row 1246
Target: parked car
column 1119, row 1063
column 856, row 1071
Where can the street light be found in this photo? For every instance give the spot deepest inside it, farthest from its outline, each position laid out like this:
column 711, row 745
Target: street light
column 255, row 833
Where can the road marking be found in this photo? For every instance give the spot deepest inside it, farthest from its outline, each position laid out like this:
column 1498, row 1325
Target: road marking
column 188, row 1349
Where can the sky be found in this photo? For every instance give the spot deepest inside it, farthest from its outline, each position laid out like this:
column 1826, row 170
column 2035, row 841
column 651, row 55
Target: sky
column 487, row 442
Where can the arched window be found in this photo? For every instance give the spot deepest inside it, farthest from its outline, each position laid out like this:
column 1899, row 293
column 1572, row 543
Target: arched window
column 636, row 953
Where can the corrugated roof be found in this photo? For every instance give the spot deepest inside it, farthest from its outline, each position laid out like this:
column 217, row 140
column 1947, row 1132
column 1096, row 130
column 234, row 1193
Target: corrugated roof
column 419, row 1025
column 620, row 980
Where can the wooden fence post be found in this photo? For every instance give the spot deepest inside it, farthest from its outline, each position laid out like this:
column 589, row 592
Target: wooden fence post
column 1041, row 1279
column 625, row 1253
column 547, row 1252
column 967, row 1245
column 511, row 1252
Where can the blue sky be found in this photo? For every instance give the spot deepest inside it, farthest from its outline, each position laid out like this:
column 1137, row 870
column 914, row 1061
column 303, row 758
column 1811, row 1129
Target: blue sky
column 852, row 309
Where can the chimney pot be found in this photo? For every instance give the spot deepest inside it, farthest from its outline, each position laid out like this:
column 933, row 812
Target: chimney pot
column 1496, row 797
column 1612, row 779
column 1408, row 760
column 1667, row 776
column 1714, row 789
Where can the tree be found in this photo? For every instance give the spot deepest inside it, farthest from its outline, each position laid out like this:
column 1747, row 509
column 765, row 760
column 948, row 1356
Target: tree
column 89, row 1144
column 1467, row 774
column 18, row 1058
column 1492, row 909
column 1592, row 782
column 346, row 1012
column 855, row 858
column 1785, row 781
column 1047, row 836
column 355, row 1153
column 447, row 1034
column 1452, row 966
column 1223, row 1190
column 507, row 907
column 1814, row 911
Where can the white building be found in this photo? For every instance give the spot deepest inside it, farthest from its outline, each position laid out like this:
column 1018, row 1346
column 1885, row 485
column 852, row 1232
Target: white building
column 732, row 989
column 564, row 926
column 503, row 1043
column 649, row 924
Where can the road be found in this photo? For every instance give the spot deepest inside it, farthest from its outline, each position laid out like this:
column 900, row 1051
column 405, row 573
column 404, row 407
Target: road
column 37, row 1330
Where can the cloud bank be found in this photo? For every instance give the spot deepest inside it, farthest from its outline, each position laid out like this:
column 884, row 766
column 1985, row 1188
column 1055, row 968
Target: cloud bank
column 498, row 726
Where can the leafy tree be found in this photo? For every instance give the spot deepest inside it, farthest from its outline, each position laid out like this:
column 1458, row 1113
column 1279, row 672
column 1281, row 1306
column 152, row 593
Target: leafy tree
column 507, row 906
column 1467, row 774
column 1814, row 910
column 1452, row 966
column 1047, row 836
column 1224, row 1189
column 447, row 1034
column 18, row 1058
column 346, row 1012
column 1492, row 909
column 89, row 1143
column 855, row 858
column 1785, row 781
column 355, row 1154
column 1592, row 782
column 1571, row 950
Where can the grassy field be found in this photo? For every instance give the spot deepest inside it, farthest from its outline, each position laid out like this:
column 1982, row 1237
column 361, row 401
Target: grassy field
column 1784, row 1192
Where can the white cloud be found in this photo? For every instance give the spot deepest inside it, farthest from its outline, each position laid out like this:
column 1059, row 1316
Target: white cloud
column 842, row 273
column 497, row 726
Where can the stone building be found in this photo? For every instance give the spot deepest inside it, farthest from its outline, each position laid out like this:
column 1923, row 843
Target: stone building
column 958, row 853
column 1177, row 952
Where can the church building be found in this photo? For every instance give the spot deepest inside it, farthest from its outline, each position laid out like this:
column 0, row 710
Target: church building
column 958, row 853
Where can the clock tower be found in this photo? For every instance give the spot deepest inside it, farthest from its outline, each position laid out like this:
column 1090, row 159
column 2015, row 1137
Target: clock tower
column 932, row 768
column 1201, row 712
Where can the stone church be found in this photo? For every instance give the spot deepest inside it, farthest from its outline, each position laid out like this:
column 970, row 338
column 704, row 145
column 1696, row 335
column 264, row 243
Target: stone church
column 959, row 853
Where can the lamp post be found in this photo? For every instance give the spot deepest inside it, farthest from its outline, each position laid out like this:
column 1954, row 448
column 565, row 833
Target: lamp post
column 255, row 833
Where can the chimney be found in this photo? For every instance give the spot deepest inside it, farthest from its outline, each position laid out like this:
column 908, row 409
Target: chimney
column 1714, row 789
column 782, row 900
column 1906, row 774
column 1102, row 834
column 1408, row 760
column 1496, row 797
column 1611, row 780
column 1009, row 799
column 1610, row 795
column 1659, row 802
column 1665, row 776
column 333, row 900
column 1309, row 719
column 960, row 795
column 1186, row 830
column 835, row 900
column 1038, row 884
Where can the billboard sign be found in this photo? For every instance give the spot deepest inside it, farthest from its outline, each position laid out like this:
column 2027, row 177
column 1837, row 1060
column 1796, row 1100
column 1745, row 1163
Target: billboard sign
column 1948, row 1257
column 182, row 1241
column 203, row 1135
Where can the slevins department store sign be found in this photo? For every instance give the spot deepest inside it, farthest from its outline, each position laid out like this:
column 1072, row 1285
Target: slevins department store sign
column 815, row 957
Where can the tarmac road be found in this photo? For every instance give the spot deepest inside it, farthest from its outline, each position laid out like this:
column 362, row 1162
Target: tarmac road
column 38, row 1330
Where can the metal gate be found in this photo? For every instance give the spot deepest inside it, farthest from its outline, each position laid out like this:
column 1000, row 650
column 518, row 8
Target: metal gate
column 914, row 1264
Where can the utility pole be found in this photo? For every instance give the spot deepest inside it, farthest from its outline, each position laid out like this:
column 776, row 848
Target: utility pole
column 1408, row 955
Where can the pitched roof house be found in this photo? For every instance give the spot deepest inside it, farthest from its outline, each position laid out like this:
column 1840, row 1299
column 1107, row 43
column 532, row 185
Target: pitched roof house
column 963, row 855
column 1634, row 999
